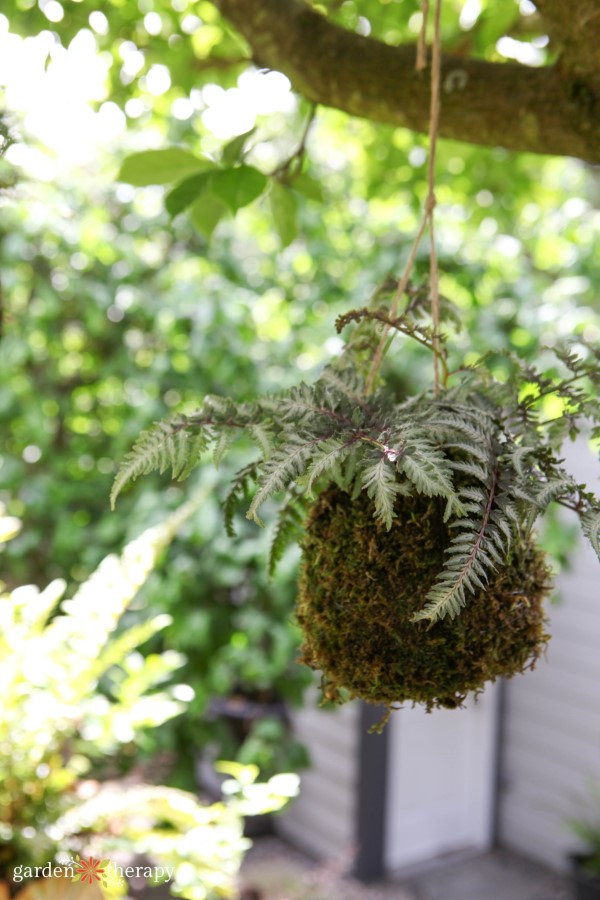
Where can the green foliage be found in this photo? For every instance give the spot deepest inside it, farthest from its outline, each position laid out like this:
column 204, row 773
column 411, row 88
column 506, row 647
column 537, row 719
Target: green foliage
column 175, row 448
column 161, row 166
column 123, row 332
column 116, row 315
column 204, row 845
column 284, row 206
column 50, row 668
column 211, row 189
column 55, row 726
column 586, row 827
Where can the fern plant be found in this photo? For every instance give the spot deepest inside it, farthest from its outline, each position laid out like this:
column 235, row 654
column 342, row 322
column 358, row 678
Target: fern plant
column 481, row 453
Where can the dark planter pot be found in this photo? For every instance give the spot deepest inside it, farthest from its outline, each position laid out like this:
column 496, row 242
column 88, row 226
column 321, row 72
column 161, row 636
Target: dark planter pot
column 240, row 712
column 586, row 887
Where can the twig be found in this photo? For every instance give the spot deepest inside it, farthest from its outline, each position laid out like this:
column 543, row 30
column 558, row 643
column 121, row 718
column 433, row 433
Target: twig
column 298, row 154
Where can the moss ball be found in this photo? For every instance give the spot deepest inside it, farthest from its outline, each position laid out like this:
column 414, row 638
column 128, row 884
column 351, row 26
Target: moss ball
column 360, row 585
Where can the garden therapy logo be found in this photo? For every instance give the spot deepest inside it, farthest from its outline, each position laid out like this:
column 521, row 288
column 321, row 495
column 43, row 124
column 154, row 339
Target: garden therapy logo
column 111, row 877
column 92, row 870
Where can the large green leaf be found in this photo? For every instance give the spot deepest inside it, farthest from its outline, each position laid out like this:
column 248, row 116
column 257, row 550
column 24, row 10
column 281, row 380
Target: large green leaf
column 161, row 166
column 284, row 207
column 233, row 151
column 207, row 212
column 309, row 186
column 237, row 187
column 184, row 193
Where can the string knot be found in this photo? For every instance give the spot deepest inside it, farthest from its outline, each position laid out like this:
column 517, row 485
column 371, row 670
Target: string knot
column 430, row 203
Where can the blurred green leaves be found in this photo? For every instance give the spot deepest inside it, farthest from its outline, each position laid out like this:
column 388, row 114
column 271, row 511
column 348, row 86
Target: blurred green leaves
column 284, row 207
column 161, row 166
column 212, row 192
column 118, row 309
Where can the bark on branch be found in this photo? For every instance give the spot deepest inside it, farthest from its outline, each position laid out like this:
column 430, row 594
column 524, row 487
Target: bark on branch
column 554, row 110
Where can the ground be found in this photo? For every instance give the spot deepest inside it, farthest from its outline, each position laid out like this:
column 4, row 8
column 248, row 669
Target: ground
column 280, row 873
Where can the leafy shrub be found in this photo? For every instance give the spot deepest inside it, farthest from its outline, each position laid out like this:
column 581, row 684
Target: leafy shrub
column 56, row 726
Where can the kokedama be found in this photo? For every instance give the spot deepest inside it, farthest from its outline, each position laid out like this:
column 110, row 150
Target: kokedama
column 420, row 579
column 361, row 586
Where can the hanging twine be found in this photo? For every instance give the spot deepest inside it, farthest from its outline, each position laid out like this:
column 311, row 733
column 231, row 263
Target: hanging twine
column 428, row 211
column 421, row 62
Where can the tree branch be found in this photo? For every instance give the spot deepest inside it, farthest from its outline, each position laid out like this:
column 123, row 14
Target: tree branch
column 542, row 110
column 574, row 28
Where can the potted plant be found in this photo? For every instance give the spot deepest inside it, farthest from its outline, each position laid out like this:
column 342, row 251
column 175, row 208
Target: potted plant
column 585, row 863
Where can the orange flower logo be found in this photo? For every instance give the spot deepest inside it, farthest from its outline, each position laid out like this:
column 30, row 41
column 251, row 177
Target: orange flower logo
column 90, row 870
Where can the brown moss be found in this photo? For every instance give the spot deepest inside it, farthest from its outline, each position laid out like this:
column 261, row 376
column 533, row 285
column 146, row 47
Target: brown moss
column 360, row 586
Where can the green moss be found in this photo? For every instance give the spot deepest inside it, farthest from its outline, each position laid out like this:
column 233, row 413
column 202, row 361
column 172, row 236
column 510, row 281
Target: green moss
column 360, row 585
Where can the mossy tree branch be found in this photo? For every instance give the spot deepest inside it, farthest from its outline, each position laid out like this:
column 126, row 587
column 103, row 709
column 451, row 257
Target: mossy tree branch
column 552, row 109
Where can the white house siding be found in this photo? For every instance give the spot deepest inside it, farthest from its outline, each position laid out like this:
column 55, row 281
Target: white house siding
column 322, row 819
column 551, row 727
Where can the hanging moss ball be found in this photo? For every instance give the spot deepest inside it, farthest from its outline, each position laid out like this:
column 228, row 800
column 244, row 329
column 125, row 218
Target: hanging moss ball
column 360, row 585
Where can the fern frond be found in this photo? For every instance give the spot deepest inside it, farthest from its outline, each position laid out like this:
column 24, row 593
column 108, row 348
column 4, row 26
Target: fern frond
column 467, row 564
column 169, row 444
column 239, row 489
column 282, row 469
column 590, row 524
column 262, row 438
column 553, row 490
column 346, row 383
column 288, row 528
column 379, row 481
column 472, row 449
column 518, row 456
column 470, row 492
column 519, row 492
column 473, row 469
column 305, row 404
column 222, row 445
column 428, row 469
column 197, row 444
column 328, row 455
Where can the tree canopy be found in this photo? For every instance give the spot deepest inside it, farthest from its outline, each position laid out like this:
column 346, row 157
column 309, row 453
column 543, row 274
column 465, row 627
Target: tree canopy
column 360, row 58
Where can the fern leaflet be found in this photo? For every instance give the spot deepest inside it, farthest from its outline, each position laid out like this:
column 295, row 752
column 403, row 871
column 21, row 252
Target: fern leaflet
column 379, row 481
column 465, row 569
column 328, row 455
column 239, row 489
column 281, row 470
column 590, row 523
column 288, row 529
column 167, row 445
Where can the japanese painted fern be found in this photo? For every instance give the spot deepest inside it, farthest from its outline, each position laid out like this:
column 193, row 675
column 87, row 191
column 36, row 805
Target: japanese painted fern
column 482, row 447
